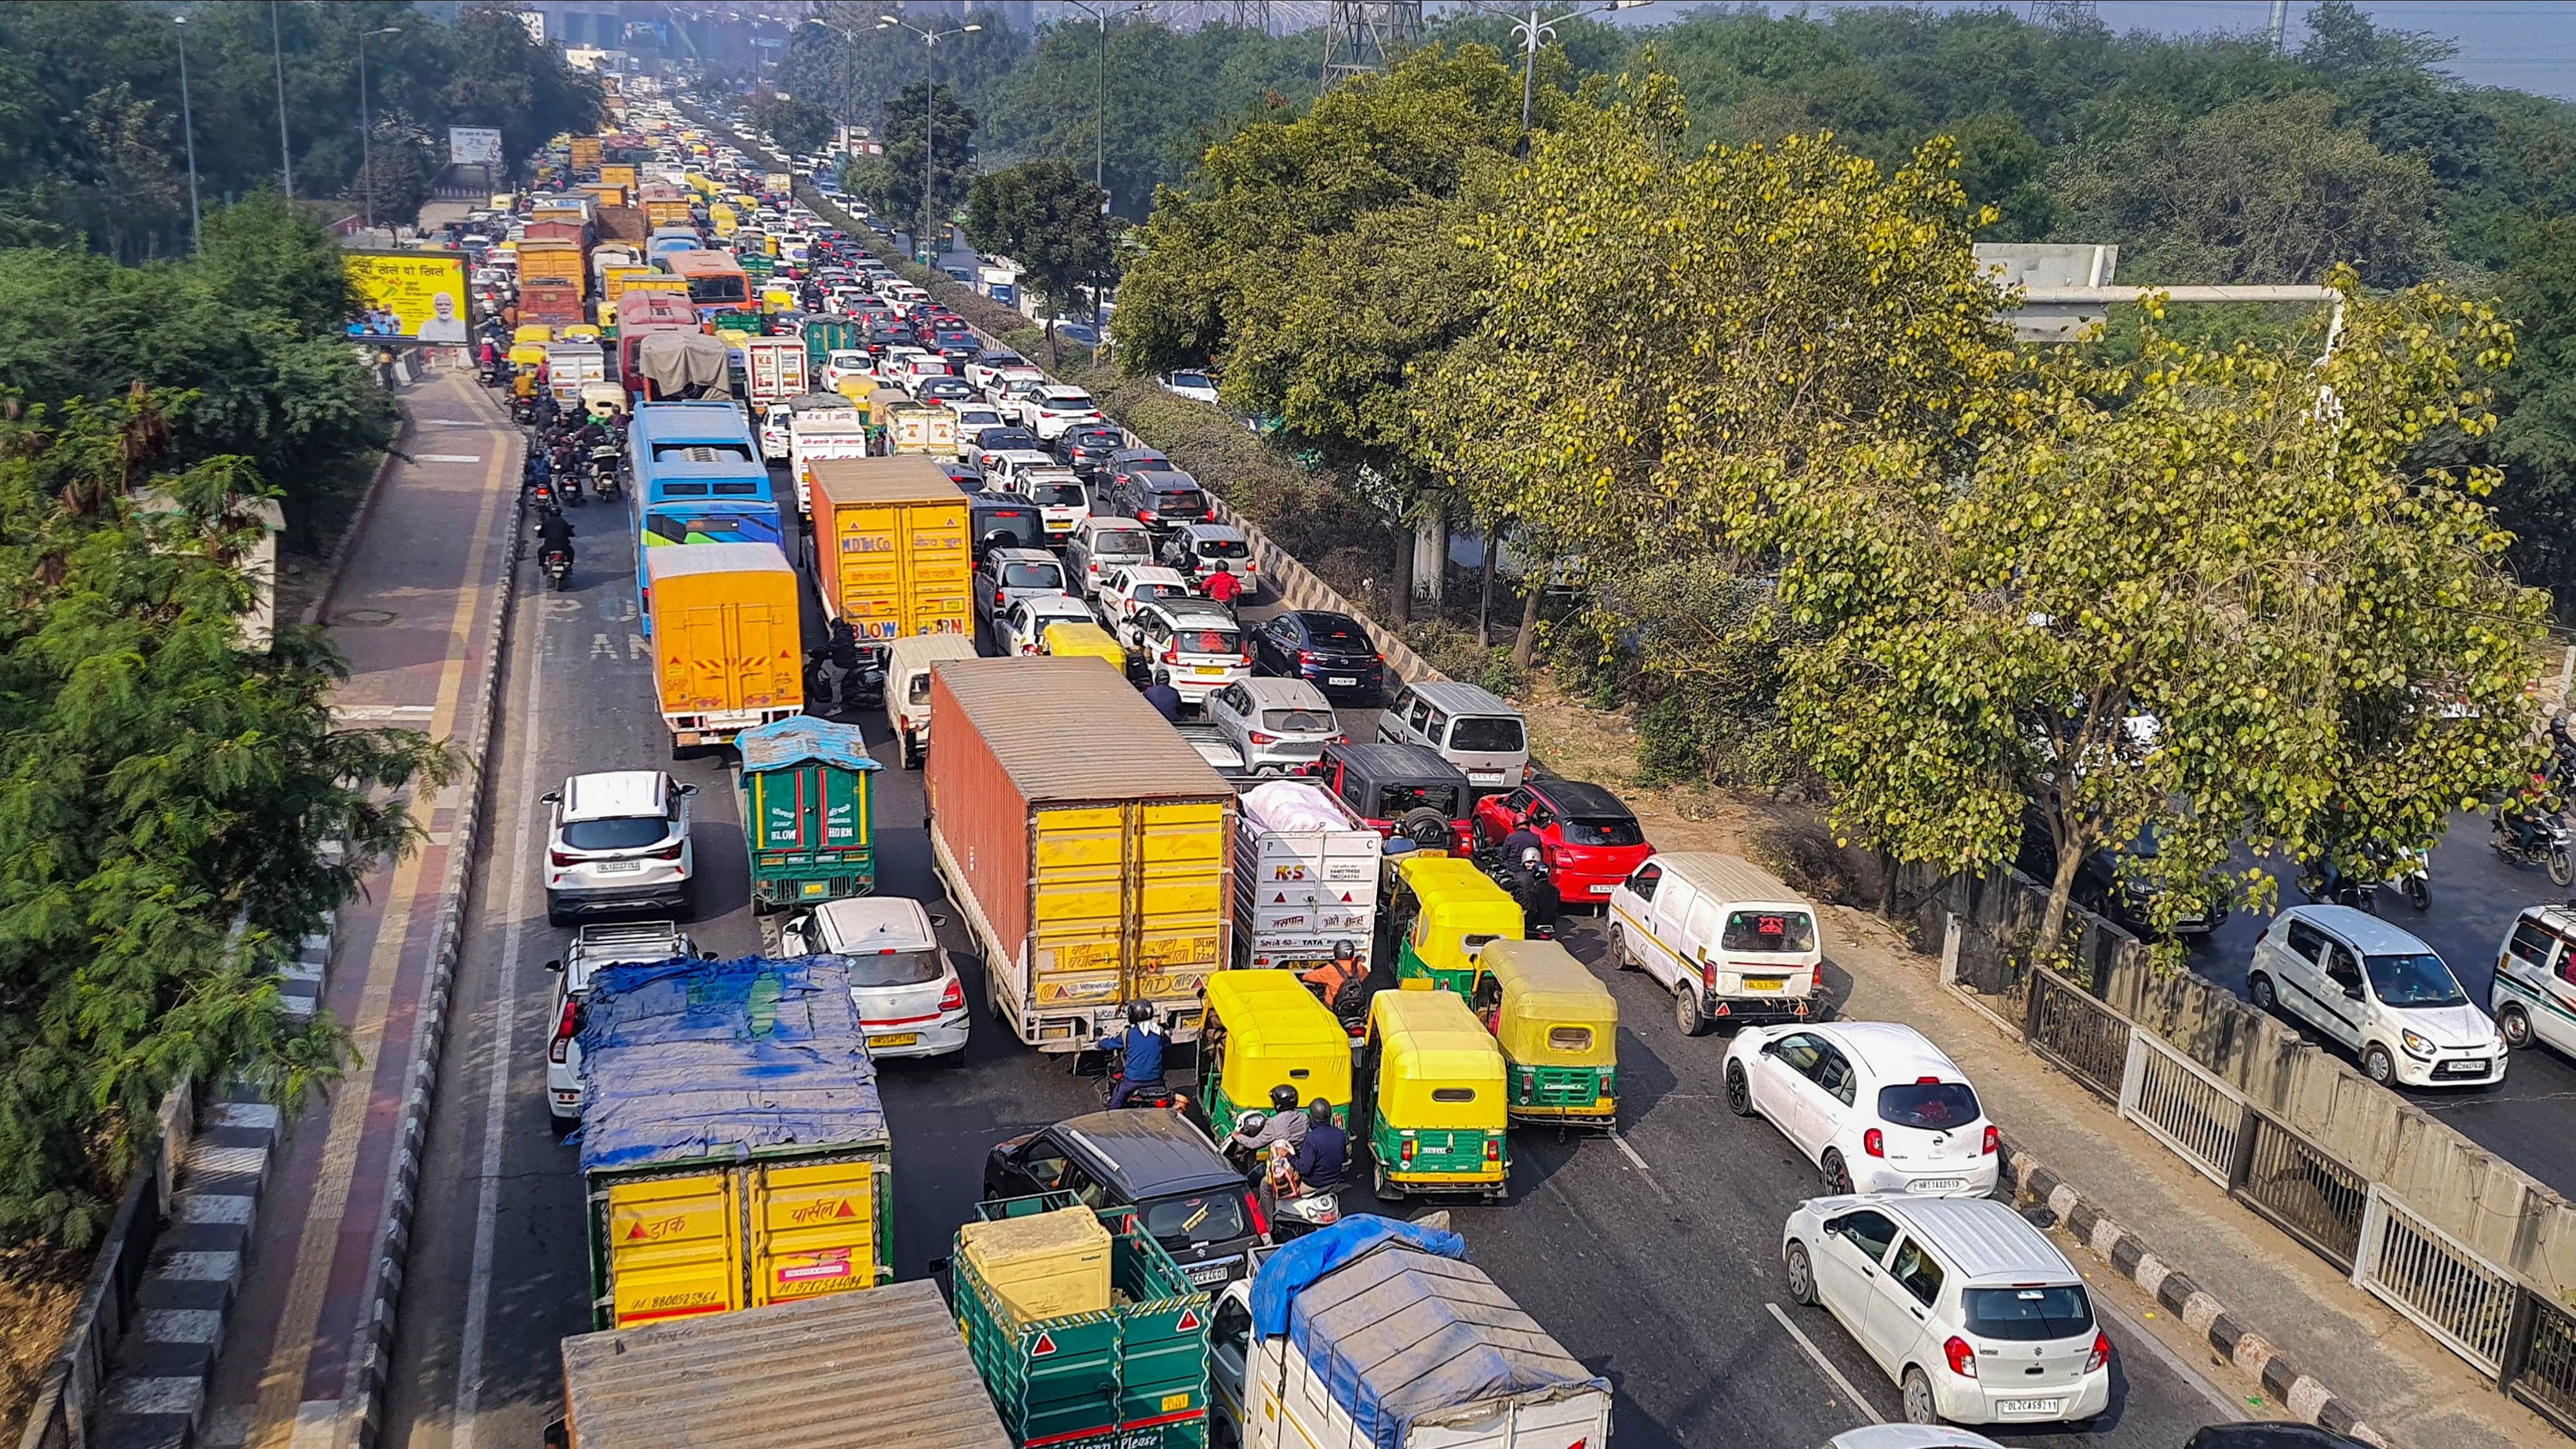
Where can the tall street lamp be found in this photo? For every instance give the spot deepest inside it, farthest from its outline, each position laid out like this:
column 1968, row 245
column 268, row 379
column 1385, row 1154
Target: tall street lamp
column 929, row 108
column 1100, row 117
column 1534, row 32
column 366, row 122
column 188, row 125
column 285, row 148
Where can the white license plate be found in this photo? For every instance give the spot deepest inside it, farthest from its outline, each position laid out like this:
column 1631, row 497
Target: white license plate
column 1937, row 1184
column 2029, row 1407
column 612, row 867
column 1210, row 1272
column 1346, row 681
column 1604, row 889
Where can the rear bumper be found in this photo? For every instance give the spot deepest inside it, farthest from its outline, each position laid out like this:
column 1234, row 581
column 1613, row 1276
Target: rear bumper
column 929, row 1039
column 1973, row 1177
column 1369, row 680
column 1765, row 1010
column 1970, row 1401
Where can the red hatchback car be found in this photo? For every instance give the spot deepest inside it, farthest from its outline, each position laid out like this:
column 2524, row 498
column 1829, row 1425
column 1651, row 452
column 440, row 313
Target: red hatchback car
column 1593, row 841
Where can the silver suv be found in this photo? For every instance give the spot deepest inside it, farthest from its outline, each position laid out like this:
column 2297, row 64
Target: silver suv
column 619, row 841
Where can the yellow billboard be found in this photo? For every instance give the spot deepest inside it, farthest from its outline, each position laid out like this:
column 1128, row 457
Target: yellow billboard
column 414, row 295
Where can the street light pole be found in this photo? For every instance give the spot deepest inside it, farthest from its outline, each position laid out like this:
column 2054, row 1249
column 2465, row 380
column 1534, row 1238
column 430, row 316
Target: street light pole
column 285, row 147
column 929, row 113
column 1534, row 32
column 366, row 122
column 188, row 124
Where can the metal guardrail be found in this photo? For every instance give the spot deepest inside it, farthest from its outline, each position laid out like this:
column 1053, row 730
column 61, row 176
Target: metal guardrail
column 2540, row 1363
column 2083, row 1036
column 2315, row 1199
column 2453, row 1294
column 2182, row 1106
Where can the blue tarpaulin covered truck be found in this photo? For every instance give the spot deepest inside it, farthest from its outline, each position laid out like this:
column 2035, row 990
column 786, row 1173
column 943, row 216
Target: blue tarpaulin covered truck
column 733, row 1147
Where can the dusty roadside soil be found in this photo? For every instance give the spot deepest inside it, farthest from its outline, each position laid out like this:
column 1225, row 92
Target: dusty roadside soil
column 38, row 1291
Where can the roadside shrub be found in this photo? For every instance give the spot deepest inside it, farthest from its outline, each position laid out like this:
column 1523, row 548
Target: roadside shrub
column 1802, row 852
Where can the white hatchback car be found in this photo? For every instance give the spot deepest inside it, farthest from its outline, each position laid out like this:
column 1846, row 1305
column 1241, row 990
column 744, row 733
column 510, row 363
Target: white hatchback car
column 1130, row 589
column 910, row 1000
column 2381, row 993
column 1278, row 725
column 1023, row 624
column 774, row 437
column 619, row 841
column 1874, row 1105
column 1976, row 1317
column 843, row 367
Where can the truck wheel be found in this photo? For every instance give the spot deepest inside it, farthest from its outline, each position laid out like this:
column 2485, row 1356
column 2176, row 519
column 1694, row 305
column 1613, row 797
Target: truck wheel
column 1686, row 1012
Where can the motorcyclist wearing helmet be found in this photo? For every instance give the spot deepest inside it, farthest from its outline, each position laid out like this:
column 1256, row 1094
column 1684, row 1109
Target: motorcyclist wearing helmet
column 1326, row 1151
column 554, row 533
column 1285, row 1122
column 1140, row 1049
column 1336, row 979
column 1536, row 892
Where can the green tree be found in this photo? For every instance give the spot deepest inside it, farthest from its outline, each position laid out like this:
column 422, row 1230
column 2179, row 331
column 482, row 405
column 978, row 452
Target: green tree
column 800, row 125
column 163, row 785
column 2536, row 442
column 2175, row 598
column 891, row 184
column 1047, row 217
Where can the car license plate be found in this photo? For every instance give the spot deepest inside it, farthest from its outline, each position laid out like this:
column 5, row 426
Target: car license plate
column 1764, row 983
column 2463, row 1067
column 610, row 867
column 1346, row 681
column 1935, row 1184
column 1210, row 1272
column 1604, row 888
column 2028, row 1407
column 896, row 1039
column 1209, row 671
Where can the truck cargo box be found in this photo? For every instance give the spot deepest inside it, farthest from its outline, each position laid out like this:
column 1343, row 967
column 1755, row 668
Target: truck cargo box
column 728, row 651
column 1305, row 877
column 1084, row 840
column 890, row 546
column 734, row 1151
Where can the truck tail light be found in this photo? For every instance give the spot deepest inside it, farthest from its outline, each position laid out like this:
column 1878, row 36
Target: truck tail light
column 2101, row 1353
column 954, row 998
column 1994, row 1141
column 1874, row 1142
column 1963, row 1359
column 564, row 1029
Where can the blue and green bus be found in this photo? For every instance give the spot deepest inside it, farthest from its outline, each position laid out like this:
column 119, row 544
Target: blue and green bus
column 698, row 478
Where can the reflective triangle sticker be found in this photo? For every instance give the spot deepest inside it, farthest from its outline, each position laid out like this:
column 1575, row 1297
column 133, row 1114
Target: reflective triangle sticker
column 845, row 1210
column 1188, row 1321
column 1044, row 1346
column 636, row 1232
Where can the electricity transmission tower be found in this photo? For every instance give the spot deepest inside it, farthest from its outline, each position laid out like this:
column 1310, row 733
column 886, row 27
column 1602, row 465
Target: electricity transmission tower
column 1363, row 35
column 2067, row 13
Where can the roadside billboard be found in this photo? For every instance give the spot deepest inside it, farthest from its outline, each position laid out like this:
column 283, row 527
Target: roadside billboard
column 473, row 146
column 419, row 296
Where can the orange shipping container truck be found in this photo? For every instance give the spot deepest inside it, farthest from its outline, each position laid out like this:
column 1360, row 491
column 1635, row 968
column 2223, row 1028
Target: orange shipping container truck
column 554, row 259
column 890, row 546
column 1090, row 877
column 727, row 650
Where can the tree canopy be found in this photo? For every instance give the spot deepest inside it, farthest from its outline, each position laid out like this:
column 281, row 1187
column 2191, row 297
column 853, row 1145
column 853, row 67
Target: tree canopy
column 891, row 184
column 1047, row 217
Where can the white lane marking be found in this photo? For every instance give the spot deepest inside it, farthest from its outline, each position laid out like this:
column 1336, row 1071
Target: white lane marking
column 487, row 1202
column 2137, row 1332
column 1869, row 1413
column 447, row 457
column 1630, row 1153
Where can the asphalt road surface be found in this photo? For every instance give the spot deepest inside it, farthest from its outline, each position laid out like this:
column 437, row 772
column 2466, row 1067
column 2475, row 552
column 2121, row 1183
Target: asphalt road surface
column 1653, row 1255
column 2475, row 896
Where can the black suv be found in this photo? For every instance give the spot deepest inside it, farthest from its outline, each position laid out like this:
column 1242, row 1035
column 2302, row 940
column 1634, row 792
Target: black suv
column 1162, row 501
column 1327, row 650
column 1148, row 1159
column 1406, row 790
column 1085, row 450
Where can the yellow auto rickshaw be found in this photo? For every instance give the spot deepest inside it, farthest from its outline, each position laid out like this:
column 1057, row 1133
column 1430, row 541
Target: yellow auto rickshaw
column 1437, row 911
column 778, row 299
column 1265, row 1030
column 603, row 400
column 1083, row 641
column 527, row 357
column 1558, row 1028
column 1433, row 1094
column 530, row 332
column 580, row 332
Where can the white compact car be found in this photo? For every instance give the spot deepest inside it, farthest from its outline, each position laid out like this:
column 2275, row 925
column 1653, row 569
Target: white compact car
column 774, row 436
column 1130, row 589
column 593, row 949
column 2378, row 991
column 1974, row 1315
column 1049, row 411
column 1190, row 644
column 1020, row 627
column 1277, row 725
column 1874, row 1105
column 843, row 367
column 910, row 1001
column 619, row 841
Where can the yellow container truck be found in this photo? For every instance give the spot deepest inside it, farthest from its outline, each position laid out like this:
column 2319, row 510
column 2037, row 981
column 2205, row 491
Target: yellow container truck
column 727, row 651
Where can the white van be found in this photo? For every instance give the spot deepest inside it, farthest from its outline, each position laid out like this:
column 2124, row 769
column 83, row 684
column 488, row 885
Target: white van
column 2378, row 991
column 1466, row 725
column 907, row 688
column 1727, row 938
column 2534, row 995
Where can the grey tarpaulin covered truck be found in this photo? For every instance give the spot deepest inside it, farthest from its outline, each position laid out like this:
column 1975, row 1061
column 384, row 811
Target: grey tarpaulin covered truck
column 684, row 366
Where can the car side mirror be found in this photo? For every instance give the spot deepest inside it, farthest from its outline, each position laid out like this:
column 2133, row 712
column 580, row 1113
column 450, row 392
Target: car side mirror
column 688, row 789
column 1251, row 1123
column 1770, row 1049
column 556, row 966
column 2352, row 990
column 937, row 920
column 552, row 797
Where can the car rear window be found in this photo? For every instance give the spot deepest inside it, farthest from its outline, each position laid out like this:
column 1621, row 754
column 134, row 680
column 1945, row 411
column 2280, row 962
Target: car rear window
column 1179, row 500
column 1337, row 634
column 1760, row 931
column 1224, row 548
column 1931, row 1106
column 2028, row 1315
column 1132, row 542
column 893, row 968
column 1395, row 800
column 1198, row 1220
column 1304, row 720
column 616, row 832
column 1060, row 494
column 1206, row 641
column 1031, row 576
column 1604, row 832
column 1498, row 733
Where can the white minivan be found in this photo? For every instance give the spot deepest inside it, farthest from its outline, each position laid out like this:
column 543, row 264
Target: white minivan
column 1975, row 1316
column 2534, row 995
column 1727, row 938
column 1467, row 725
column 2378, row 991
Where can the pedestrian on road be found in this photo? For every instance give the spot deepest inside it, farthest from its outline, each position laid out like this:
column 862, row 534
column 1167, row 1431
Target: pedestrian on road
column 1165, row 699
column 1225, row 587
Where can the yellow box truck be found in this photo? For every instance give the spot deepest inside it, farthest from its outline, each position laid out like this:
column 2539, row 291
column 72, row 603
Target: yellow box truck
column 891, row 553
column 1091, row 877
column 727, row 651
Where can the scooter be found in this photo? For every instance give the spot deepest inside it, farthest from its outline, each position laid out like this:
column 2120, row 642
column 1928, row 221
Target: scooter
column 2548, row 847
column 556, row 564
column 603, row 472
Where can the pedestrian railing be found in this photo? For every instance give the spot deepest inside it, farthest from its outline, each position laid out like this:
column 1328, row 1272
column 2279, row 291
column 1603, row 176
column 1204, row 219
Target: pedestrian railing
column 2305, row 1193
column 2540, row 1362
column 2421, row 1271
column 2182, row 1106
column 2083, row 1036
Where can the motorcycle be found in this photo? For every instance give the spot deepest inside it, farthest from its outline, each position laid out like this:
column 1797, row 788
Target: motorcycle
column 2408, row 878
column 603, row 472
column 522, row 411
column 1292, row 1215
column 2547, row 848
column 556, row 564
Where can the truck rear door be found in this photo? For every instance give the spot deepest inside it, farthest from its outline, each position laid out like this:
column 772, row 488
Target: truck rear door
column 671, row 1248
column 1130, row 902
column 814, row 1229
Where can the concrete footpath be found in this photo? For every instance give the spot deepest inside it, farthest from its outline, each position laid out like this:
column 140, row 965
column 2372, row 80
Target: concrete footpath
column 2378, row 1366
column 417, row 610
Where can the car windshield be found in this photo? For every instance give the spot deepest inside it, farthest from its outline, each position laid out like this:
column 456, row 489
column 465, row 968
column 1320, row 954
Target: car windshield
column 616, row 832
column 2416, row 978
column 893, row 968
column 1604, row 832
column 1302, row 721
column 1498, row 733
column 1205, row 641
column 1761, row 931
column 1224, row 548
column 1932, row 1106
column 1128, row 542
column 1031, row 576
column 1191, row 379
column 2027, row 1315
column 1196, row 1221
column 1395, row 800
column 1063, row 495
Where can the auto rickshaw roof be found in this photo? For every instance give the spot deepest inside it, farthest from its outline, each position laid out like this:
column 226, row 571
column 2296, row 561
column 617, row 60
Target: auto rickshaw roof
column 1272, row 1011
column 1435, row 1035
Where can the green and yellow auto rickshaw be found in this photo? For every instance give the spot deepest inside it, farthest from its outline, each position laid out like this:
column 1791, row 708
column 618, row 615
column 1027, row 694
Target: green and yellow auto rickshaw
column 1265, row 1030
column 1558, row 1028
column 1442, row 911
column 1433, row 1096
